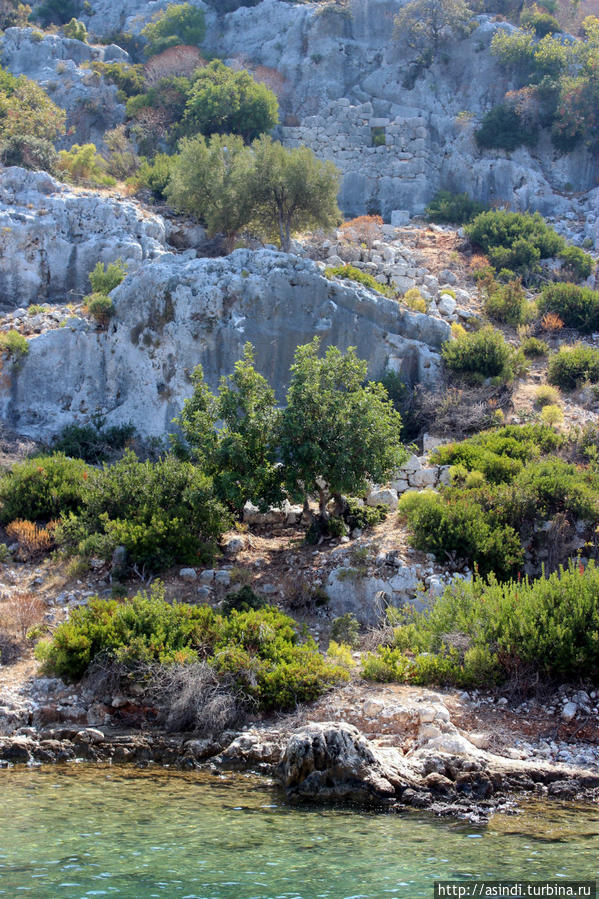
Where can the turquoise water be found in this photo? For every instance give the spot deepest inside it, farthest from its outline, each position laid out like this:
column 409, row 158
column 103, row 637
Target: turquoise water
column 88, row 832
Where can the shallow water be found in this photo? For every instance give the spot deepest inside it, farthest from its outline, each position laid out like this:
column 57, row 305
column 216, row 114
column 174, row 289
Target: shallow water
column 68, row 833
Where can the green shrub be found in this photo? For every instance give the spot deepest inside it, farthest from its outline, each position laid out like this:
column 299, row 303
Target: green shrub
column 93, row 443
column 346, row 630
column 507, row 303
column 100, row 307
column 104, row 278
column 514, row 240
column 154, row 175
column 553, row 485
column 258, row 649
column 484, row 354
column 43, row 488
column 502, row 128
column 454, row 209
column 182, row 24
column 577, row 263
column 128, row 78
column 351, row 273
column 572, row 365
column 456, row 525
column 163, row 513
column 29, row 153
column 414, row 300
column 542, row 23
column 224, row 101
column 242, row 600
column 545, row 395
column 75, row 30
column 359, row 515
column 578, row 307
column 57, row 12
column 84, row 165
column 546, row 628
column 533, row 347
column 26, row 110
column 552, row 414
column 13, row 345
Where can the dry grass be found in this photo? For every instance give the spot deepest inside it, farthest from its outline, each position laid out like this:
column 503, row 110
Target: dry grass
column 20, row 613
column 34, row 541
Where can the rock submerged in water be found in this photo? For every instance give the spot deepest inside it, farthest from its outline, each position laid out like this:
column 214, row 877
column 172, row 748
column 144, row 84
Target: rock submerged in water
column 332, row 761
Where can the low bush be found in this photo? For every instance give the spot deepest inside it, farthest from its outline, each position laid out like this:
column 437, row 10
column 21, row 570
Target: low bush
column 128, row 78
column 552, row 414
column 547, row 628
column 177, row 24
column 29, row 153
column 242, row 600
column 346, row 630
column 163, row 513
column 93, row 443
column 482, row 354
column 545, row 395
column 507, row 303
column 514, row 240
column 43, row 488
column 13, row 345
column 578, row 307
column 104, row 278
column 351, row 273
column 572, row 365
column 533, row 347
column 75, row 30
column 258, row 650
column 33, row 540
column 503, row 128
column 154, row 175
column 576, row 263
column 414, row 300
column 454, row 209
column 100, row 307
column 359, row 515
column 541, row 22
column 84, row 165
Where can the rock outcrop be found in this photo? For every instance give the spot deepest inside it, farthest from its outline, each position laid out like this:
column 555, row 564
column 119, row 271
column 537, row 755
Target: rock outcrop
column 176, row 312
column 333, row 761
column 51, row 237
column 61, row 66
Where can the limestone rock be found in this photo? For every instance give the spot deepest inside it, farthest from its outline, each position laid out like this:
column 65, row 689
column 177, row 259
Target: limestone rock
column 58, row 235
column 332, row 761
column 382, row 496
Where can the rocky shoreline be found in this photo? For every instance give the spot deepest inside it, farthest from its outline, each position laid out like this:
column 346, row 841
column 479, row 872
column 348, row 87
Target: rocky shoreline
column 324, row 762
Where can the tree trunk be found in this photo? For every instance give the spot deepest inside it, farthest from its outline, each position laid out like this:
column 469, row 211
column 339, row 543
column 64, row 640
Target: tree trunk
column 323, row 498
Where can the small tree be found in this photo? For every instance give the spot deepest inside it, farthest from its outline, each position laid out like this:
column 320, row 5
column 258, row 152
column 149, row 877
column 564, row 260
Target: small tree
column 293, row 190
column 181, row 24
column 241, row 454
column 337, row 431
column 223, row 101
column 210, row 181
column 425, row 24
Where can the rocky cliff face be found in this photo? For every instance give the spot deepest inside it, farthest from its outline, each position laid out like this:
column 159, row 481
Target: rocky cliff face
column 61, row 66
column 51, row 237
column 175, row 312
column 339, row 74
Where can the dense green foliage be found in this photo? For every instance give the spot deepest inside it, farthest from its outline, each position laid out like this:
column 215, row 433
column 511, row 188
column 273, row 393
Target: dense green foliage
column 548, row 627
column 177, row 24
column 241, row 454
column 533, row 347
column 506, row 303
column 26, row 109
column 29, row 152
column 13, row 345
column 104, row 278
column 57, row 12
column 482, row 354
column 75, row 30
column 503, row 128
column 514, row 240
column 84, row 165
column 231, row 186
column 572, row 365
column 454, row 209
column 427, row 25
column 162, row 513
column 43, row 488
column 258, row 649
column 128, row 78
column 223, row 101
column 154, row 174
column 93, row 443
column 578, row 307
column 335, row 427
column 503, row 483
column 351, row 273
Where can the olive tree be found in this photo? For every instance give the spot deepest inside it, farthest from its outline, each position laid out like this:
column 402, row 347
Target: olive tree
column 210, row 181
column 293, row 190
column 425, row 24
column 337, row 430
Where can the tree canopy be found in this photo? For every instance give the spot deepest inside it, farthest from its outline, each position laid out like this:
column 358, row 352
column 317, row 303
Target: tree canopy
column 337, row 431
column 425, row 24
column 223, row 101
column 181, row 24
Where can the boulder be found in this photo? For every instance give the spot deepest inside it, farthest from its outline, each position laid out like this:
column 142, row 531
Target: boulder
column 334, row 761
column 383, row 496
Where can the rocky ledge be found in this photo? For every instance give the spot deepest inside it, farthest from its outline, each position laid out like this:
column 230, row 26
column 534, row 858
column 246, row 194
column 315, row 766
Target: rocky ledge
column 324, row 762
